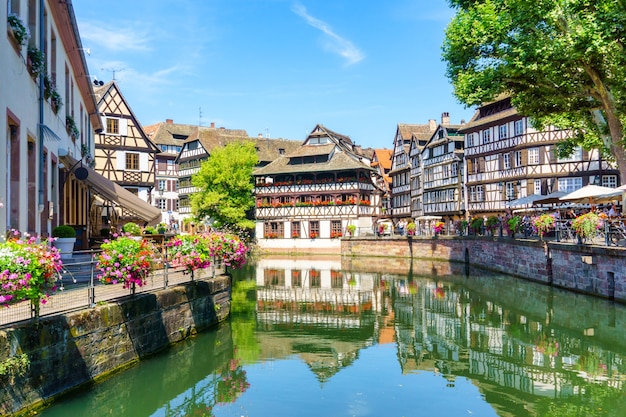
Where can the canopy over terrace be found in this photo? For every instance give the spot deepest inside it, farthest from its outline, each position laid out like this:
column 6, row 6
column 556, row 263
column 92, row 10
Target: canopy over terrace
column 524, row 201
column 593, row 194
column 112, row 192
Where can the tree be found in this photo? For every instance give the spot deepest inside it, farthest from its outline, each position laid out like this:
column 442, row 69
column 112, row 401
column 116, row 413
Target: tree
column 562, row 61
column 225, row 186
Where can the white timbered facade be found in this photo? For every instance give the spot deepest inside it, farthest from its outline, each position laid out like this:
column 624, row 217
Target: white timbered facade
column 407, row 135
column 442, row 172
column 308, row 198
column 506, row 159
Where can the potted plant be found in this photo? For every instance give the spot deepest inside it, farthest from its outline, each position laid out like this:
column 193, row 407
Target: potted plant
column 492, row 223
column 125, row 260
column 29, row 269
column 587, row 225
column 477, row 225
column 514, row 225
column 36, row 61
column 351, row 229
column 543, row 223
column 191, row 252
column 132, row 229
column 438, row 227
column 20, row 32
column 72, row 129
column 410, row 228
column 64, row 240
column 161, row 229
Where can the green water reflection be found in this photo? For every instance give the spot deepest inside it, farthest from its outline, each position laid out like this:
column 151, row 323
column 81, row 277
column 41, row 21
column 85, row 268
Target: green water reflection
column 325, row 337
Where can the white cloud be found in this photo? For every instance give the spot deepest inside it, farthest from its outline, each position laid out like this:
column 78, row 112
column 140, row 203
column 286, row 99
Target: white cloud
column 334, row 42
column 117, row 39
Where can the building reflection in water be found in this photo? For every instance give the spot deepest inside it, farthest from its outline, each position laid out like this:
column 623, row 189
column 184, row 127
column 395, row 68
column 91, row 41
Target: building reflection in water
column 516, row 340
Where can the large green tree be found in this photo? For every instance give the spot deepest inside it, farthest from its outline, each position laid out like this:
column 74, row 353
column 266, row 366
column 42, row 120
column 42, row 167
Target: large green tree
column 562, row 61
column 225, row 186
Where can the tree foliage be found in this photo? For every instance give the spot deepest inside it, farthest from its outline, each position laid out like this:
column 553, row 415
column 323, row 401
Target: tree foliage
column 562, row 61
column 225, row 186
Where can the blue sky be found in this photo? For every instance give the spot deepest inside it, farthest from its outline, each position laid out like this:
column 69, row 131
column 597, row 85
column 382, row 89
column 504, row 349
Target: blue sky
column 275, row 67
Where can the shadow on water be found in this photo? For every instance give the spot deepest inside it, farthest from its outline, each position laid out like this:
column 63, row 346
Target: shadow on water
column 490, row 344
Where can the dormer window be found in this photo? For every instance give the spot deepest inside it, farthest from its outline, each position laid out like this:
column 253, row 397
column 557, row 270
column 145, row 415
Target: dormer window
column 281, row 151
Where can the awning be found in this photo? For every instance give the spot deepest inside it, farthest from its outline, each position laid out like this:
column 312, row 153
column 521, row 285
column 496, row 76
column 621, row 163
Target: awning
column 113, row 192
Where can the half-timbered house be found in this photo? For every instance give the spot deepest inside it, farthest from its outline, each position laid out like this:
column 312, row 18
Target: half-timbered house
column 401, row 166
column 442, row 172
column 507, row 158
column 124, row 155
column 381, row 162
column 48, row 110
column 197, row 148
column 307, row 199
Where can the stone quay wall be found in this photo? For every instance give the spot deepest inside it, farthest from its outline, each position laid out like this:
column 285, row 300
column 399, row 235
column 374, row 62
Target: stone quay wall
column 593, row 270
column 73, row 350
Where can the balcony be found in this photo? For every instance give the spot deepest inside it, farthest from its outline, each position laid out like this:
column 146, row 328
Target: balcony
column 279, row 188
column 321, row 212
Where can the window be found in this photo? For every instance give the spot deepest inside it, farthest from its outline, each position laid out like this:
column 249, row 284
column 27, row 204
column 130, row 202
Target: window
column 314, row 229
column 335, row 228
column 506, row 159
column 161, row 203
column 537, row 187
column 470, row 139
column 510, row 191
column 161, row 185
column 486, row 136
column 113, row 126
column 480, row 195
column 132, row 161
column 503, row 131
column 518, row 159
column 295, row 229
column 533, row 156
column 519, row 127
column 571, row 184
column 609, row 181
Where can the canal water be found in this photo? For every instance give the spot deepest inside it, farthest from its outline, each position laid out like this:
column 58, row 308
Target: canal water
column 335, row 337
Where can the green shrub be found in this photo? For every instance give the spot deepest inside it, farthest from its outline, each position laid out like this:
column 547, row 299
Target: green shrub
column 132, row 228
column 63, row 231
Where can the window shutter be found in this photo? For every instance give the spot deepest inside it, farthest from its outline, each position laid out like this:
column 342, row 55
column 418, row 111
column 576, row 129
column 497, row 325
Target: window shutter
column 123, row 127
column 121, row 160
column 143, row 162
column 481, row 162
column 525, row 158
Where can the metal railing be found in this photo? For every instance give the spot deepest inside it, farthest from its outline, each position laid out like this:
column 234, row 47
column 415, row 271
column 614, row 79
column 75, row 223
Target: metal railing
column 79, row 287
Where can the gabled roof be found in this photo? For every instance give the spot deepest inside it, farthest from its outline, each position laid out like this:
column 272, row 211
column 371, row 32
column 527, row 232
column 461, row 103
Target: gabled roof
column 341, row 151
column 339, row 161
column 409, row 131
column 108, row 91
column 491, row 112
column 382, row 158
column 269, row 149
column 166, row 133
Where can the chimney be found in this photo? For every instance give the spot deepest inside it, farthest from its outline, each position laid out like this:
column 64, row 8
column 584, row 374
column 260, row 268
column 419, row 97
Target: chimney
column 445, row 118
column 169, row 121
column 213, row 125
column 260, row 136
column 432, row 124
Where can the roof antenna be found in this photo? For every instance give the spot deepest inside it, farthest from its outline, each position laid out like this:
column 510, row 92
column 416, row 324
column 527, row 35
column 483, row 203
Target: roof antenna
column 112, row 70
column 199, row 116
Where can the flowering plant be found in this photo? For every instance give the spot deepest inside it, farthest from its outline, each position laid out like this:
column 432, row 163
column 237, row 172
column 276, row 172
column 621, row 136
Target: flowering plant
column 335, row 234
column 20, row 30
column 543, row 223
column 190, row 251
column 438, row 226
column 28, row 270
column 229, row 248
column 125, row 259
column 587, row 225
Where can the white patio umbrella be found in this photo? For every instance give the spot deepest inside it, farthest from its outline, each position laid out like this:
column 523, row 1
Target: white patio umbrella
column 592, row 194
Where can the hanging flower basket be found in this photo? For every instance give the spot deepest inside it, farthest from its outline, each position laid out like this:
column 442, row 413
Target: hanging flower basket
column 125, row 260
column 587, row 225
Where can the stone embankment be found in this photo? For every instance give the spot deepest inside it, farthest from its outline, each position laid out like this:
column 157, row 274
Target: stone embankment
column 588, row 269
column 73, row 350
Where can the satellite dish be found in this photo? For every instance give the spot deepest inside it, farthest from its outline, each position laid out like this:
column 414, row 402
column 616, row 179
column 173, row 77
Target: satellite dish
column 81, row 173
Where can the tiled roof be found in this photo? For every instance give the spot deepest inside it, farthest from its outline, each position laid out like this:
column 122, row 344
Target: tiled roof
column 270, row 149
column 383, row 157
column 339, row 161
column 482, row 121
column 420, row 131
column 312, row 150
